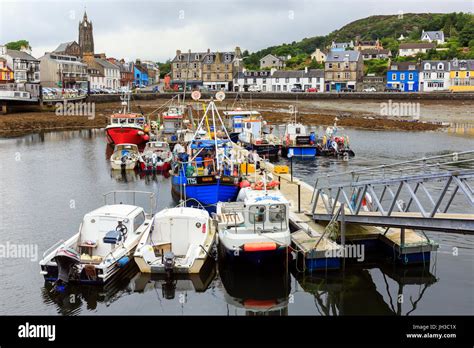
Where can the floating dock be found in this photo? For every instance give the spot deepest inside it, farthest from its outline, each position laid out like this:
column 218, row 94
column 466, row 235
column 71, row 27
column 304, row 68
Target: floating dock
column 321, row 250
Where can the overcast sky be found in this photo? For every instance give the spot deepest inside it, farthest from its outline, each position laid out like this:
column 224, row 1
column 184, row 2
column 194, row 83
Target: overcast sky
column 154, row 29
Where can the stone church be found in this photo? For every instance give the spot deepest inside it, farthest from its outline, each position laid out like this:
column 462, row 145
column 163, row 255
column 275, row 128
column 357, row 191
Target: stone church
column 86, row 38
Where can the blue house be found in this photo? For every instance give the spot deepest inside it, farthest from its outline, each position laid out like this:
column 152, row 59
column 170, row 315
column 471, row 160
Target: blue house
column 404, row 76
column 140, row 76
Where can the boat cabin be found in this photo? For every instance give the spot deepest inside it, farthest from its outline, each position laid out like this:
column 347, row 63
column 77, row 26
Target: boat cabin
column 106, row 227
column 125, row 149
column 297, row 134
column 173, row 119
column 262, row 211
column 251, row 130
column 235, row 119
column 156, row 146
column 127, row 120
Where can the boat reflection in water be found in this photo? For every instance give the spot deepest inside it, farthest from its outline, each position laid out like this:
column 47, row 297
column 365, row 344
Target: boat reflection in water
column 354, row 292
column 178, row 282
column 71, row 299
column 257, row 293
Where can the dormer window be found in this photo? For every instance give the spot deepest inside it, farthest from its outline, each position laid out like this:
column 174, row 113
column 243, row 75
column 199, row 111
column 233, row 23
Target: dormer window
column 440, row 66
column 427, row 66
column 197, row 57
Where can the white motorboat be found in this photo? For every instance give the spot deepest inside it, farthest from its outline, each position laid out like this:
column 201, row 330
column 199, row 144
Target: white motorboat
column 104, row 244
column 125, row 156
column 255, row 229
column 179, row 242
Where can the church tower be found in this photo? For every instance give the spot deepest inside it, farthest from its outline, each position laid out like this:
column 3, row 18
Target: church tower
column 86, row 38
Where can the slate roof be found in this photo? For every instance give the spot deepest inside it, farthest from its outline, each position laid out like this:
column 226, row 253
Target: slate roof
column 401, row 66
column 434, row 65
column 352, row 56
column 298, row 73
column 413, row 45
column 63, row 46
column 432, row 35
column 20, row 55
column 106, row 64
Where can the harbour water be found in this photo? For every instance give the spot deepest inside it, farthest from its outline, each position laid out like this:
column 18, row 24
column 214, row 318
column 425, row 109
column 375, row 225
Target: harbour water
column 49, row 181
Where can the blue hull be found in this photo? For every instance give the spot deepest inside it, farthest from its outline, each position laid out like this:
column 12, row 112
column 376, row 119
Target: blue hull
column 206, row 194
column 303, row 152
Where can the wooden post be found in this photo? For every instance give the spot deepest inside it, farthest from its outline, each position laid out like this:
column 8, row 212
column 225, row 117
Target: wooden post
column 343, row 226
column 299, row 198
column 279, row 182
column 4, row 109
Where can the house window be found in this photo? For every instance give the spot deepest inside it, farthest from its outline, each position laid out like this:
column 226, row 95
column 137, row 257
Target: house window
column 287, row 79
column 284, row 87
column 330, row 65
column 456, row 74
column 195, row 65
column 245, row 81
column 177, row 65
column 226, row 77
column 254, row 80
column 394, row 76
column 427, row 66
column 402, row 76
column 347, row 75
column 310, row 79
column 277, row 80
column 197, row 57
column 264, row 81
column 297, row 79
column 410, row 76
column 218, row 77
column 278, row 88
column 208, row 76
column 468, row 73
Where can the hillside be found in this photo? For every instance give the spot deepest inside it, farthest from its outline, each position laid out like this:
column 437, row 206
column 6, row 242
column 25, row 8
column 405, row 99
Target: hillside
column 459, row 27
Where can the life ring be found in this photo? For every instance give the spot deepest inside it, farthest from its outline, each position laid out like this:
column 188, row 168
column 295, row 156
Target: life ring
column 259, row 186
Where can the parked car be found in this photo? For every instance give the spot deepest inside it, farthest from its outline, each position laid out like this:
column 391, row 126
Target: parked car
column 370, row 89
column 347, row 90
column 296, row 90
column 156, row 89
column 392, row 89
column 311, row 90
column 254, row 88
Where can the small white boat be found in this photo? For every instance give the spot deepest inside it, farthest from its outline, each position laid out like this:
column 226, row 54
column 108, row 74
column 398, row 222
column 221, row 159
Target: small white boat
column 179, row 242
column 104, row 244
column 255, row 229
column 125, row 156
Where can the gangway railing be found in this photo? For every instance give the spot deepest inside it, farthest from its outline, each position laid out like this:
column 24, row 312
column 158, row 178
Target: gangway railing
column 415, row 194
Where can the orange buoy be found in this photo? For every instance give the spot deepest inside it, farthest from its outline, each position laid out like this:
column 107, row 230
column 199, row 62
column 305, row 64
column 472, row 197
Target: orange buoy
column 264, row 246
column 244, row 183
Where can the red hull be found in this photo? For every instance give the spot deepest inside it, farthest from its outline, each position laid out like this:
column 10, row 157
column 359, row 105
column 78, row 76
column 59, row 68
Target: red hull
column 125, row 135
column 163, row 168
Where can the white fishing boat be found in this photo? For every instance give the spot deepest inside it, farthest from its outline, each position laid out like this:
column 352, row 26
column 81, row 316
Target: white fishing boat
column 179, row 242
column 105, row 244
column 255, row 229
column 125, row 156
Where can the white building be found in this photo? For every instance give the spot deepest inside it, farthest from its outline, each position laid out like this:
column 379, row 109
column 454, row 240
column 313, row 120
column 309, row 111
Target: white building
column 256, row 80
column 433, row 36
column 434, row 75
column 272, row 61
column 286, row 80
column 111, row 73
column 26, row 68
column 59, row 70
column 413, row 48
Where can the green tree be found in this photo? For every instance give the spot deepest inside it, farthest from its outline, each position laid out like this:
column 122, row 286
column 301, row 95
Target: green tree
column 467, row 33
column 17, row 45
column 165, row 68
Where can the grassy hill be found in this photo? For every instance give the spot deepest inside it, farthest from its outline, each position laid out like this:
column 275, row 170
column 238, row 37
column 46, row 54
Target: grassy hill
column 458, row 27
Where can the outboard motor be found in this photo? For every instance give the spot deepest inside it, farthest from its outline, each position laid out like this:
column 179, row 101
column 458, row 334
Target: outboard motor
column 168, row 262
column 66, row 259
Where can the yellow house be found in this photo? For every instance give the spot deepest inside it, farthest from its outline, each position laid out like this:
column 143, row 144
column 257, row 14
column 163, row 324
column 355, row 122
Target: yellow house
column 461, row 76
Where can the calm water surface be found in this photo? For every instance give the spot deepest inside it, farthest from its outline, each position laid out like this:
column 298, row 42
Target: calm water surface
column 48, row 182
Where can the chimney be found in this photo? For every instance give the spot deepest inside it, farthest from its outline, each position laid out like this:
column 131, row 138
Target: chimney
column 26, row 49
column 208, row 50
column 178, row 52
column 305, row 69
column 272, row 70
column 238, row 52
column 3, row 50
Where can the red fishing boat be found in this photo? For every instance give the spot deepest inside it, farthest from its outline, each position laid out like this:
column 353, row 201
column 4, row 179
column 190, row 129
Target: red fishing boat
column 126, row 127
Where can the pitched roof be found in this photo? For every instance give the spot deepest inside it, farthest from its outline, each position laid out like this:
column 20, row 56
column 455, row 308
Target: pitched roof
column 271, row 55
column 222, row 56
column 334, row 56
column 432, row 34
column 433, row 65
column 106, row 64
column 417, row 45
column 20, row 55
column 298, row 73
column 63, row 46
column 405, row 66
column 464, row 64
column 192, row 57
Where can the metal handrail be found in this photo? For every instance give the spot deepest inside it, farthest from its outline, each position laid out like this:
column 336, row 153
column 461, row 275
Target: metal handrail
column 150, row 194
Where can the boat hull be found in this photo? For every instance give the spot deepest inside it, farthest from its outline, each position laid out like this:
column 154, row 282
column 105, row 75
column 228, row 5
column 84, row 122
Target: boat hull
column 300, row 151
column 165, row 167
column 265, row 259
column 207, row 190
column 264, row 150
column 125, row 135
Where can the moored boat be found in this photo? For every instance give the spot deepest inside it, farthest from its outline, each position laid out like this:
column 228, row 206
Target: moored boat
column 104, row 244
column 298, row 143
column 179, row 242
column 254, row 138
column 255, row 229
column 156, row 157
column 124, row 157
column 334, row 145
column 126, row 127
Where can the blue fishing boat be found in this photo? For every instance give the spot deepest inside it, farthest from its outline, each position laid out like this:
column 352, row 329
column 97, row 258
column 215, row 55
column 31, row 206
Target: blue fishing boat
column 298, row 143
column 208, row 172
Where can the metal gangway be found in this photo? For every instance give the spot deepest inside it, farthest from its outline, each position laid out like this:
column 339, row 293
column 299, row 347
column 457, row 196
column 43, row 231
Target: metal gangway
column 418, row 194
